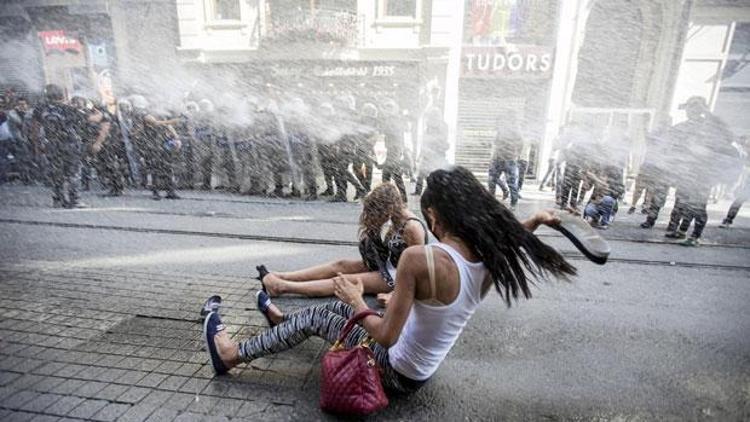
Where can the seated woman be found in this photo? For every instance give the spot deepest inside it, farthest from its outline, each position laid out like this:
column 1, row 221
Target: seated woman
column 377, row 266
column 439, row 287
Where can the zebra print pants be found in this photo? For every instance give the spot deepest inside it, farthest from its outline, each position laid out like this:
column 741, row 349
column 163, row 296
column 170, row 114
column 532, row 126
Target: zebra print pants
column 324, row 321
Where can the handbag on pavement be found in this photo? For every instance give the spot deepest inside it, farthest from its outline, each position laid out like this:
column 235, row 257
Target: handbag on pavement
column 350, row 378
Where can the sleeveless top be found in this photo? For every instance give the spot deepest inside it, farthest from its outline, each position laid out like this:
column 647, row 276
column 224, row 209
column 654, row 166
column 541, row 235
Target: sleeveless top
column 431, row 331
column 383, row 257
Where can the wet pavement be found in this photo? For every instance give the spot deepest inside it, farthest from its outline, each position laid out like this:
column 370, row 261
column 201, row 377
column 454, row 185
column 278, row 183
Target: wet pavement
column 101, row 319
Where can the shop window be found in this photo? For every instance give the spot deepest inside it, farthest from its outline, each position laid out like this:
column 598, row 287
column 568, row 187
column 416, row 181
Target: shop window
column 399, row 9
column 225, row 10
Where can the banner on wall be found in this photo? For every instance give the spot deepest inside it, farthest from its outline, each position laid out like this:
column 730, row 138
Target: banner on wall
column 58, row 41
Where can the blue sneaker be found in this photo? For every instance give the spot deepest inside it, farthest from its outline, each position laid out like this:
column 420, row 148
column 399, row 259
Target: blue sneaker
column 264, row 302
column 211, row 305
column 212, row 326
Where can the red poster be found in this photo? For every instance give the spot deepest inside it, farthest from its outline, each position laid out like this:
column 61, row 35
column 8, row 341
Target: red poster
column 58, row 41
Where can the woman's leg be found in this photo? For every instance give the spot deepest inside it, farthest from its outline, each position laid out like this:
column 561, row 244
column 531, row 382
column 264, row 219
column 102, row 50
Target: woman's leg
column 324, row 321
column 297, row 327
column 372, row 282
column 328, row 270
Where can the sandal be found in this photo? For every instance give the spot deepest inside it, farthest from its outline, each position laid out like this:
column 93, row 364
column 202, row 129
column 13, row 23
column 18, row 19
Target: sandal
column 262, row 273
column 583, row 236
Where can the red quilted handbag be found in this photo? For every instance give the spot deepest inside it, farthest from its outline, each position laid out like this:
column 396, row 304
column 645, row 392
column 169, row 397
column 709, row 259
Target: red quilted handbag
column 350, row 378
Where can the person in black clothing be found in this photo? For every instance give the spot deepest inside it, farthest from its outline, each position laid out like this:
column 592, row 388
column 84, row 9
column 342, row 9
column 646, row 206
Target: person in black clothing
column 327, row 153
column 302, row 149
column 157, row 143
column 434, row 146
column 185, row 129
column 364, row 156
column 272, row 151
column 710, row 153
column 393, row 131
column 85, row 106
column 110, row 155
column 59, row 129
column 346, row 150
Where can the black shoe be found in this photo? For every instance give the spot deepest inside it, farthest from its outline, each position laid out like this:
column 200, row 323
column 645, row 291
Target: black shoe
column 262, row 273
column 173, row 195
column 338, row 199
column 647, row 224
column 311, row 197
column 327, row 192
column 631, row 210
column 155, row 196
column 644, row 211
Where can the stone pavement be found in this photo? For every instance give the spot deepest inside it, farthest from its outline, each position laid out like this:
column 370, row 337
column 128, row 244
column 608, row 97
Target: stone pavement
column 103, row 345
column 101, row 319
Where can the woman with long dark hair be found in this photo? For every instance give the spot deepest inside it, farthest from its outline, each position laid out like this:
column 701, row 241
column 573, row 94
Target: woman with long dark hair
column 439, row 287
column 376, row 268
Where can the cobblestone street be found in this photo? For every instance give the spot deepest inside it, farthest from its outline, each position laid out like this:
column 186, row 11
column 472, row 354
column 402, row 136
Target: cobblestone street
column 101, row 319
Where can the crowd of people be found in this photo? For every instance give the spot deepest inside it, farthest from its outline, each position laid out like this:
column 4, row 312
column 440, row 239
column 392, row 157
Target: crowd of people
column 282, row 147
column 697, row 158
column 272, row 147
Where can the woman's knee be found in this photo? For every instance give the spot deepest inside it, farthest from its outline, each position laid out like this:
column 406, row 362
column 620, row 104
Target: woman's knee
column 348, row 266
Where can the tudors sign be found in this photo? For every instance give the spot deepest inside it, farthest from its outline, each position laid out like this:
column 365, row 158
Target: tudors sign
column 58, row 41
column 516, row 61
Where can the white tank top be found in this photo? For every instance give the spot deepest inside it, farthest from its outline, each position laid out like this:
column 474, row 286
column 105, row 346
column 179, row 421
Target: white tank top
column 430, row 331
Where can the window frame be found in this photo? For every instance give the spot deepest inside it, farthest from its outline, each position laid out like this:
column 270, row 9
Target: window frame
column 383, row 18
column 212, row 22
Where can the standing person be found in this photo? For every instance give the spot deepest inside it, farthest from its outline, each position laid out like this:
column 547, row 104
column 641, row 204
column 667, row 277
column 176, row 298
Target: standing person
column 185, row 129
column 85, row 106
column 523, row 165
column 505, row 151
column 19, row 124
column 110, row 155
column 327, row 151
column 364, row 160
column 205, row 142
column 59, row 129
column 158, row 145
column 574, row 165
column 709, row 142
column 393, row 130
column 742, row 193
column 552, row 175
column 440, row 286
column 346, row 149
column 271, row 142
column 434, row 146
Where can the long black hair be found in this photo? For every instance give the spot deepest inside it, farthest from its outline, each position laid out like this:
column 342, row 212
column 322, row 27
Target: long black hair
column 506, row 247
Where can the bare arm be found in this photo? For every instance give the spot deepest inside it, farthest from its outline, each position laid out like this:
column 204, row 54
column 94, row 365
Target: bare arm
column 101, row 136
column 414, row 234
column 153, row 121
column 387, row 329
